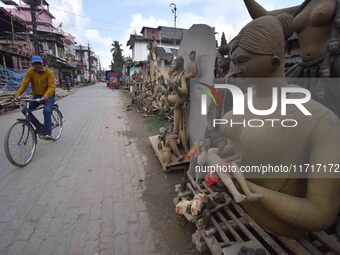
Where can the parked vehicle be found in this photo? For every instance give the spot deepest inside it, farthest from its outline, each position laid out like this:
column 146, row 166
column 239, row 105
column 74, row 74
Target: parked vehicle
column 112, row 79
column 113, row 83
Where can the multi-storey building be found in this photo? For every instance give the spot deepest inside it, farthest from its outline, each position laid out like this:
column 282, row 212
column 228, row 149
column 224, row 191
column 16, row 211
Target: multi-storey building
column 87, row 63
column 168, row 40
column 56, row 46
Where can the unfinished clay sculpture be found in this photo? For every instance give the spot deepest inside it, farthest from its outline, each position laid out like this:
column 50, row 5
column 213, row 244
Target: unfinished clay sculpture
column 317, row 25
column 179, row 88
column 225, row 177
column 289, row 206
column 152, row 61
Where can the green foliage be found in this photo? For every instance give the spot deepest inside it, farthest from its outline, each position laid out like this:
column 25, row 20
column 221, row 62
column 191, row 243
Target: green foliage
column 223, row 40
column 125, row 92
column 117, row 57
column 154, row 123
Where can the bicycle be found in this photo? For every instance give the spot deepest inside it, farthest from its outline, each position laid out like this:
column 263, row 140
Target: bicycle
column 21, row 139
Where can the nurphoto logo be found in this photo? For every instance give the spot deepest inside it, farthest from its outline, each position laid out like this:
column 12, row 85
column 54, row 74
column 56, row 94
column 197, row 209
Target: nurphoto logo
column 239, row 103
column 213, row 94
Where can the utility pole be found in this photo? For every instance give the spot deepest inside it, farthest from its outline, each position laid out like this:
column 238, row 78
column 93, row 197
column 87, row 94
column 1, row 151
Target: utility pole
column 99, row 76
column 12, row 28
column 90, row 64
column 81, row 59
column 174, row 11
column 33, row 4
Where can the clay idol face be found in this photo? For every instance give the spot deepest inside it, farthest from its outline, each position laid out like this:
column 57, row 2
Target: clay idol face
column 251, row 65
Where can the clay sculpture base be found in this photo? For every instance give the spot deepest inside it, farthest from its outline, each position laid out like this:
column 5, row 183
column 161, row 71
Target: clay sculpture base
column 175, row 165
column 225, row 228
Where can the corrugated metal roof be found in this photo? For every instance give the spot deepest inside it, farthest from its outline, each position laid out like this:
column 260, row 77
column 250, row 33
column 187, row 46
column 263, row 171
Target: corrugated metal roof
column 9, row 2
column 171, row 33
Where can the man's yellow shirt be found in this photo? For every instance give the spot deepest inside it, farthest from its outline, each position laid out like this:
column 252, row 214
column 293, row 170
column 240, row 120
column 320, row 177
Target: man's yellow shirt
column 43, row 83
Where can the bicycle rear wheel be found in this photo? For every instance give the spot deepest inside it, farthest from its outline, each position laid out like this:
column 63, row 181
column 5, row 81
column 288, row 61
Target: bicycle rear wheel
column 20, row 143
column 57, row 124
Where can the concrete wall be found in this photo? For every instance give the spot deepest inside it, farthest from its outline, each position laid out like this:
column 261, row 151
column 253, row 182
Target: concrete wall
column 205, row 48
column 151, row 32
column 139, row 51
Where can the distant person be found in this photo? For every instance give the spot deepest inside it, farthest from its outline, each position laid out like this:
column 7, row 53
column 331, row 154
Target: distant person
column 68, row 83
column 43, row 85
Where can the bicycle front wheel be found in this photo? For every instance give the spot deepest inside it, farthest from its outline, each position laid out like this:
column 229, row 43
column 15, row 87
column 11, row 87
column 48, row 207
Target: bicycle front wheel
column 57, row 124
column 20, row 143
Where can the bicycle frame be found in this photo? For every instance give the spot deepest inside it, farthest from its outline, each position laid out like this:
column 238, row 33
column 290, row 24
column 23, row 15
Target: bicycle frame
column 25, row 106
column 26, row 120
column 24, row 103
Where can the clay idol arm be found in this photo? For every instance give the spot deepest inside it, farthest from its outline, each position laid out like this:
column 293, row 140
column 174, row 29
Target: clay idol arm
column 194, row 68
column 256, row 10
column 318, row 209
column 315, row 212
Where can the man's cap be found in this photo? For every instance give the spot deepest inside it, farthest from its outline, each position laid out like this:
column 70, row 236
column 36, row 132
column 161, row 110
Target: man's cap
column 36, row 59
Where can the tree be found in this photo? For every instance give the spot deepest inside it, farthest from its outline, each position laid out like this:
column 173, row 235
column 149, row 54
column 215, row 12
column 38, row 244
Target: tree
column 117, row 57
column 223, row 40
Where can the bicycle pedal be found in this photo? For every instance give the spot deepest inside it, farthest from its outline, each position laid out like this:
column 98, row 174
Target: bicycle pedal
column 47, row 137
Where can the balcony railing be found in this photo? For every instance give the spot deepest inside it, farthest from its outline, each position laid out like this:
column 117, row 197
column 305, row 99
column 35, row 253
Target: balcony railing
column 16, row 48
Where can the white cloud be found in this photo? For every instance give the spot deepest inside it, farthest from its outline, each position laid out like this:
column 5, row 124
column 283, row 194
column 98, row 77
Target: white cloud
column 71, row 14
column 227, row 16
column 136, row 25
column 219, row 14
column 161, row 2
column 186, row 20
column 101, row 45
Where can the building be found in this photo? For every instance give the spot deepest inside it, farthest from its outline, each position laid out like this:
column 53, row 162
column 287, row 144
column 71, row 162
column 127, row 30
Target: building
column 87, row 64
column 15, row 47
column 168, row 40
column 15, row 50
column 95, row 67
column 56, row 46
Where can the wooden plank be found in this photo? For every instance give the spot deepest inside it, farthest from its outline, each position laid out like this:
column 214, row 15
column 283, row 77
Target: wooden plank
column 310, row 247
column 293, row 246
column 230, row 229
column 213, row 245
column 245, row 223
column 219, row 230
column 268, row 239
column 235, row 249
column 239, row 222
column 330, row 242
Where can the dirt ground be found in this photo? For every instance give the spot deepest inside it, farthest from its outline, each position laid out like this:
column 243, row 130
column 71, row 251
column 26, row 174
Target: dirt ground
column 159, row 193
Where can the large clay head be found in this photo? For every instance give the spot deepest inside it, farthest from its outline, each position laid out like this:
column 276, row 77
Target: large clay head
column 259, row 49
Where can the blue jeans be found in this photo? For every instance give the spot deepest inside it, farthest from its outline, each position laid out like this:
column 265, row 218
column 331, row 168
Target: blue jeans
column 47, row 127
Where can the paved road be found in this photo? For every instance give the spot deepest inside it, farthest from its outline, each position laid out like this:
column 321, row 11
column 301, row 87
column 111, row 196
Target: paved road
column 81, row 194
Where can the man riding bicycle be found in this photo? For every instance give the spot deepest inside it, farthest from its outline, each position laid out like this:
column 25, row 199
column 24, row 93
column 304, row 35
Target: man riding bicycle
column 43, row 85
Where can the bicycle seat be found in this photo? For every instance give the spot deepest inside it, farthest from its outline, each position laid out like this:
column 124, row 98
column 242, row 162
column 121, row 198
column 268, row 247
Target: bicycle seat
column 56, row 105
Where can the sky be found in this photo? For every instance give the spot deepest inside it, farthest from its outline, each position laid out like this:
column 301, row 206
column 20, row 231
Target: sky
column 100, row 22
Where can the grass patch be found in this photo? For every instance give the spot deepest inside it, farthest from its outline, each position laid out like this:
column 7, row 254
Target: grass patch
column 125, row 92
column 154, row 123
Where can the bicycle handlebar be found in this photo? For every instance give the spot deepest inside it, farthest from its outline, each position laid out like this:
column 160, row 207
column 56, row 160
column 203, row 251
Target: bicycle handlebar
column 29, row 100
